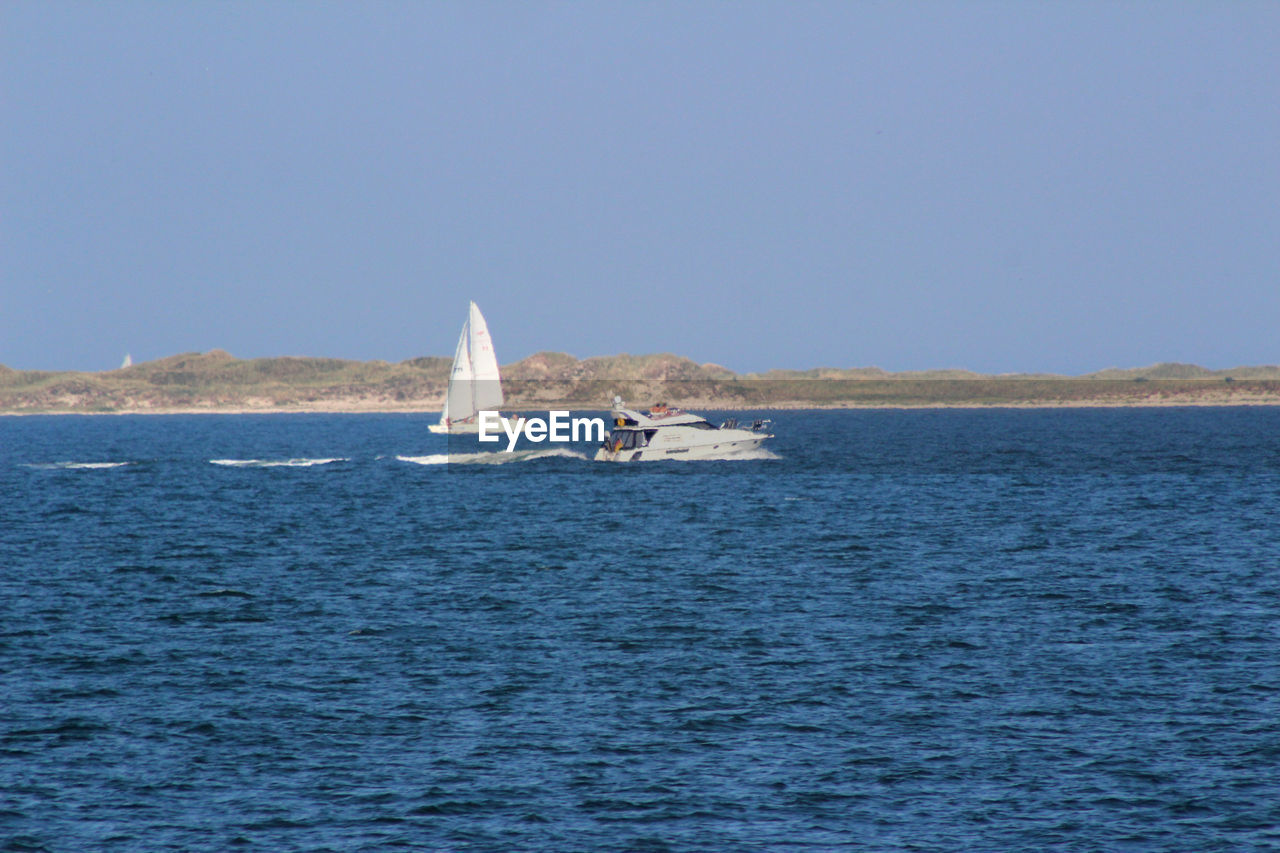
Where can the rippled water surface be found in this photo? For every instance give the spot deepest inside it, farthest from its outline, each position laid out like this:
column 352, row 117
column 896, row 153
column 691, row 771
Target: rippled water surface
column 930, row 630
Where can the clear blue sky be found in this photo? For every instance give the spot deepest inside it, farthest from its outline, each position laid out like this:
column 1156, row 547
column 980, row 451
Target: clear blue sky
column 1000, row 186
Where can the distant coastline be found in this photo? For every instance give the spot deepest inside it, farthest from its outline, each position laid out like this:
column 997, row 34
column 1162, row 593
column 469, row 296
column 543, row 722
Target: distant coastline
column 217, row 382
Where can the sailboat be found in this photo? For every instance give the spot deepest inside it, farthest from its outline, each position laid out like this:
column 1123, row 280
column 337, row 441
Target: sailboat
column 474, row 382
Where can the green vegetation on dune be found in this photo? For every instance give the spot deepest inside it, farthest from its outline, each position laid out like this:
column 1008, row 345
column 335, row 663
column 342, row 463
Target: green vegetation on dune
column 217, row 380
column 1174, row 370
column 558, row 366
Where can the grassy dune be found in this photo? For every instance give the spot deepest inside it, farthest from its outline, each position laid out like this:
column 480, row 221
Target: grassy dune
column 217, row 381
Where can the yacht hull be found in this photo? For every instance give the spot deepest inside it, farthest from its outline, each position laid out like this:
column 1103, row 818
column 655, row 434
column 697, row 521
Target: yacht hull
column 723, row 449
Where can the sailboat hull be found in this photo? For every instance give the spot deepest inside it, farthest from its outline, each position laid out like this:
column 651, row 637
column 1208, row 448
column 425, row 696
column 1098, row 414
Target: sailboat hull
column 503, row 425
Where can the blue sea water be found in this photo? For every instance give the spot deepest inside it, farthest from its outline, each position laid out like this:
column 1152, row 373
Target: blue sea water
column 913, row 630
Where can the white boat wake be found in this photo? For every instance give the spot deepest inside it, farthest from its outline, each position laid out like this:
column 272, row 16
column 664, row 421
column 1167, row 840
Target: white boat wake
column 497, row 457
column 74, row 466
column 276, row 463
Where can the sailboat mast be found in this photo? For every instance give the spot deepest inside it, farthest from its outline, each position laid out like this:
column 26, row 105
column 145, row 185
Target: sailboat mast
column 471, row 353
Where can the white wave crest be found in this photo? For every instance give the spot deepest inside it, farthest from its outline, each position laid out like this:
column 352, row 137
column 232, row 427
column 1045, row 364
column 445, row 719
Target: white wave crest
column 74, row 466
column 276, row 463
column 432, row 459
column 750, row 455
column 497, row 457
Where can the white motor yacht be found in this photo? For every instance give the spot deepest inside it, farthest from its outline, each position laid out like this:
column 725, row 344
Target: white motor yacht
column 669, row 433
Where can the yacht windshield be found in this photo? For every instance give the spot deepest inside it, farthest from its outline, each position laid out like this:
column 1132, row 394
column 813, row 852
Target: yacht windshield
column 627, row 439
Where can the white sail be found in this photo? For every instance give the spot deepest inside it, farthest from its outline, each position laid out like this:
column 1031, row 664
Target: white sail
column 487, row 387
column 474, row 383
column 459, row 403
column 128, row 361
